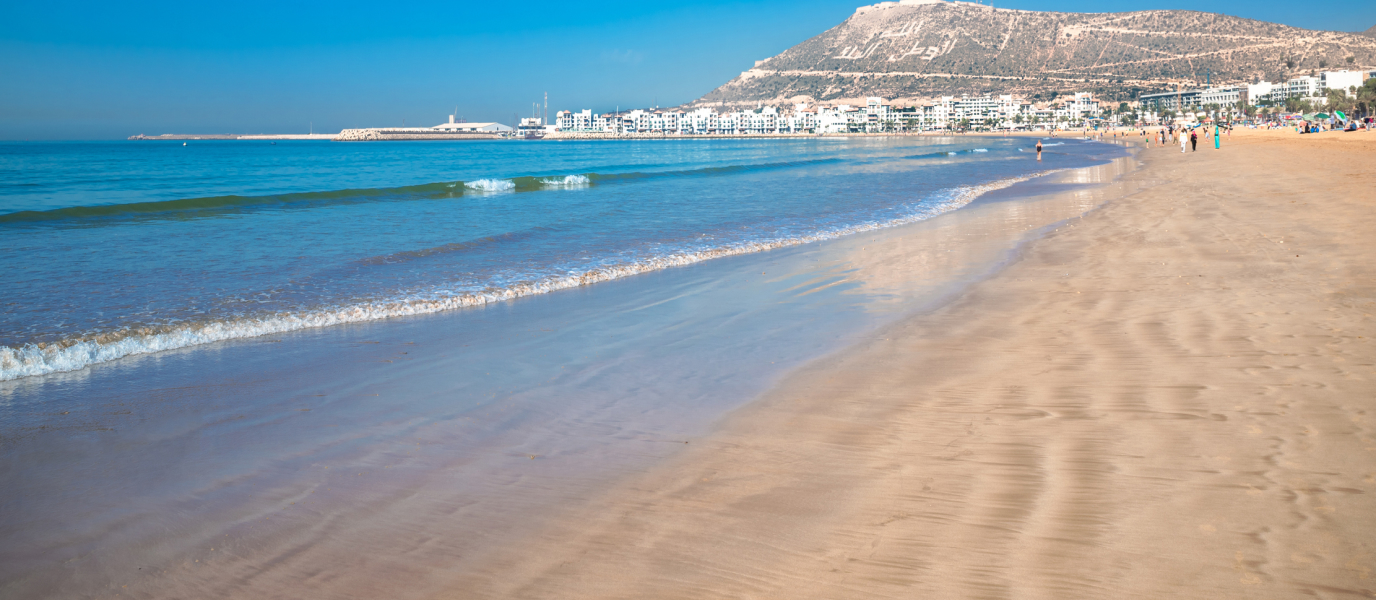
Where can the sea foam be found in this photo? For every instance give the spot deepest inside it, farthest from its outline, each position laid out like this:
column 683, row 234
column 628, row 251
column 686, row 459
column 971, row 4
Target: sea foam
column 566, row 181
column 490, row 185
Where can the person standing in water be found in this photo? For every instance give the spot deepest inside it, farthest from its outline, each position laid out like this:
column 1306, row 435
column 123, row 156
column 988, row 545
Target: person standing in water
column 1039, row 149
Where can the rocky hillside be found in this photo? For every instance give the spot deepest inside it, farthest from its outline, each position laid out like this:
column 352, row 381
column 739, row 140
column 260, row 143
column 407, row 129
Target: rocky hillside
column 924, row 48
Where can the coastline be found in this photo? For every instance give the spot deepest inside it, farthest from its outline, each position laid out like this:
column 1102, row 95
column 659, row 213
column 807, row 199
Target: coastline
column 1166, row 398
column 398, row 456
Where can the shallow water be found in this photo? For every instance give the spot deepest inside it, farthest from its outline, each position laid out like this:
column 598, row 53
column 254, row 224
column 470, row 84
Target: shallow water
column 124, row 248
column 388, row 457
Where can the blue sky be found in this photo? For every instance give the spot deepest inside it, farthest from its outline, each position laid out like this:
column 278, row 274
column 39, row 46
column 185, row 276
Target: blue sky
column 102, row 70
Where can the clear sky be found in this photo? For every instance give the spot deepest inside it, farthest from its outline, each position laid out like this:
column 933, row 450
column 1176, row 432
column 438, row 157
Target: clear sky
column 103, row 70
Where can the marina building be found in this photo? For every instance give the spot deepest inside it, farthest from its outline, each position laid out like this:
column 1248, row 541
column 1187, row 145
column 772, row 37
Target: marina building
column 876, row 116
column 461, row 127
column 988, row 112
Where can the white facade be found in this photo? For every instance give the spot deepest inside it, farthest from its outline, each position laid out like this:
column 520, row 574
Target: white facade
column 574, row 121
column 1222, row 96
column 1256, row 92
column 1302, row 87
column 472, row 127
column 876, row 116
column 1340, row 80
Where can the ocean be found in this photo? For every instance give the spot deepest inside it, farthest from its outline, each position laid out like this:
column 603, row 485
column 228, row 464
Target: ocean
column 115, row 249
column 240, row 369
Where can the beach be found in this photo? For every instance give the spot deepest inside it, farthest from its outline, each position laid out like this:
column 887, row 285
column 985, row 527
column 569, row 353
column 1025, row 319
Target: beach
column 312, row 428
column 1108, row 374
column 1169, row 397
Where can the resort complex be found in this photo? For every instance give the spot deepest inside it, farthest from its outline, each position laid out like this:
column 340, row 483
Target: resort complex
column 988, row 112
column 1261, row 93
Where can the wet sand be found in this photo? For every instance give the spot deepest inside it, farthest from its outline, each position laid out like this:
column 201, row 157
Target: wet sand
column 404, row 458
column 1170, row 397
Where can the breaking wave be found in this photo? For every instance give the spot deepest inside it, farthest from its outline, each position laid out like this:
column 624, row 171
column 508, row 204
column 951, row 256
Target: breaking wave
column 566, row 181
column 946, row 153
column 211, row 205
column 491, row 185
column 73, row 354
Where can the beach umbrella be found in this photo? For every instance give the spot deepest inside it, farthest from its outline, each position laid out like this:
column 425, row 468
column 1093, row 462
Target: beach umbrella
column 1321, row 116
column 1340, row 114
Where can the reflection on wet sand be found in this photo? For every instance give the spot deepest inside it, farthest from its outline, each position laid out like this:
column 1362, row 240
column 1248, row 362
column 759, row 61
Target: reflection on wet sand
column 401, row 459
column 1169, row 399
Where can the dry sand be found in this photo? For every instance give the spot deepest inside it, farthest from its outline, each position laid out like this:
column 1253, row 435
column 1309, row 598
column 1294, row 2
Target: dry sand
column 1171, row 398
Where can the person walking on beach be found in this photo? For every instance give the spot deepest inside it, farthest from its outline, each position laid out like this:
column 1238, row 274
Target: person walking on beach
column 1039, row 149
column 1194, row 140
column 1184, row 141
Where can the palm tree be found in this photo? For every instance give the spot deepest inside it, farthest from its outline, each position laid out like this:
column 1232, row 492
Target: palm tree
column 1366, row 96
column 1336, row 100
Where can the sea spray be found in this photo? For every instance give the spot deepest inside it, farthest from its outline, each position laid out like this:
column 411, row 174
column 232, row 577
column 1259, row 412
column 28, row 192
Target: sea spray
column 566, row 181
column 490, row 185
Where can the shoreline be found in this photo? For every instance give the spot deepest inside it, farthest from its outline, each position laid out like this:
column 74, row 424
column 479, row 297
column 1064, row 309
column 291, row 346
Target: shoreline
column 37, row 359
column 1157, row 400
column 381, row 135
column 475, row 428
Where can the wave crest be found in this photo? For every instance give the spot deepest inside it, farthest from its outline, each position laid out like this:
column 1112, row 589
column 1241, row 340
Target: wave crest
column 491, row 185
column 566, row 181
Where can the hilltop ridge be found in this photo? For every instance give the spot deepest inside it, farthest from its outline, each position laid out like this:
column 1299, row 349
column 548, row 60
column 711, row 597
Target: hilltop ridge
column 925, row 48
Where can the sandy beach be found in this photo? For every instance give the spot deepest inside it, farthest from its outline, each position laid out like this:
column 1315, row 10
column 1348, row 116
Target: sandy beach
column 1169, row 397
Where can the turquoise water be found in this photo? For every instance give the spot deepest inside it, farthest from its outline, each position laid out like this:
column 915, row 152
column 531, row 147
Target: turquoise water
column 415, row 398
column 126, row 248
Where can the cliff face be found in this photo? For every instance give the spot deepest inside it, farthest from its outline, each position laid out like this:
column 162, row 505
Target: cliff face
column 921, row 49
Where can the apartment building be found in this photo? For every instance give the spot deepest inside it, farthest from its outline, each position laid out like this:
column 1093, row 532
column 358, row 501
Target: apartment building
column 1305, row 86
column 1340, row 80
column 876, row 116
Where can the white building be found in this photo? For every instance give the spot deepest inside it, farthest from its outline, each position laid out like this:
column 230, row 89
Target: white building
column 574, row 121
column 1257, row 92
column 1225, row 96
column 701, row 121
column 1080, row 107
column 472, row 127
column 876, row 116
column 1302, row 87
column 1340, row 80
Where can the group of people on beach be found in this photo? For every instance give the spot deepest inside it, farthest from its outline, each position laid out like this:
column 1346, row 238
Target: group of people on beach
column 1187, row 137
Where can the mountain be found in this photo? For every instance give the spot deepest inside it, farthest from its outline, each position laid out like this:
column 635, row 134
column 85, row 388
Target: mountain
column 1370, row 32
column 918, row 49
